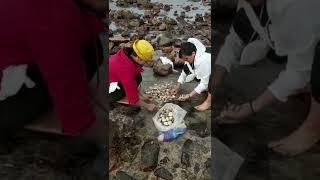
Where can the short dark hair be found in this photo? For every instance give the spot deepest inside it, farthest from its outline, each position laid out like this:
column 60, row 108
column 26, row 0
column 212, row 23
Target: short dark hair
column 186, row 49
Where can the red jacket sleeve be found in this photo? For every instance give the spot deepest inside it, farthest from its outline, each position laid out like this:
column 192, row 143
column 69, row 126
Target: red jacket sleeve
column 57, row 54
column 130, row 86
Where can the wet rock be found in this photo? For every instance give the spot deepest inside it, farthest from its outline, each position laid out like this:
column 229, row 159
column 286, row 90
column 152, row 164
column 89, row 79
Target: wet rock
column 165, row 160
column 163, row 173
column 149, row 155
column 165, row 40
column 186, row 153
column 134, row 23
column 198, row 18
column 176, row 165
column 110, row 33
column 196, row 0
column 169, row 21
column 155, row 22
column 196, row 168
column 118, row 39
column 175, row 13
column 124, row 176
column 207, row 173
column 177, row 43
column 183, row 14
column 144, row 3
column 187, row 8
column 162, row 69
column 187, row 175
column 125, row 34
column 201, row 129
column 166, row 7
column 111, row 44
column 148, row 13
column 195, row 8
column 167, row 50
column 162, row 27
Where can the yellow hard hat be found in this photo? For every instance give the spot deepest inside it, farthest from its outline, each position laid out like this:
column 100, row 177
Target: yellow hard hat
column 143, row 49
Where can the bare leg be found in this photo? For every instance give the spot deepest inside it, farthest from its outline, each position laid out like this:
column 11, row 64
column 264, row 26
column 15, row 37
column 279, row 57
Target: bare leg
column 205, row 105
column 304, row 137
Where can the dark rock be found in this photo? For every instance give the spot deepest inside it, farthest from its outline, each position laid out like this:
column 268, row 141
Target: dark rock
column 176, row 165
column 123, row 176
column 165, row 40
column 175, row 13
column 125, row 34
column 134, row 23
column 165, row 151
column 208, row 163
column 162, row 27
column 186, row 153
column 163, row 173
column 187, row 175
column 147, row 13
column 149, row 155
column 200, row 128
column 187, row 8
column 177, row 43
column 207, row 174
column 196, row 0
column 196, row 168
column 198, row 18
column 183, row 14
column 165, row 160
column 195, row 8
column 166, row 7
column 169, row 21
column 162, row 69
column 110, row 33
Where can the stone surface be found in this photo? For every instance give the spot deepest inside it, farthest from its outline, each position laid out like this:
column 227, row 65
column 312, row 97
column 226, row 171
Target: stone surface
column 124, row 176
column 162, row 69
column 149, row 155
column 163, row 173
column 186, row 153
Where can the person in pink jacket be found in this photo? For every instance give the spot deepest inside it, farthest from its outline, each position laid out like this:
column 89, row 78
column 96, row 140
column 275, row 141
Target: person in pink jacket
column 58, row 41
column 125, row 68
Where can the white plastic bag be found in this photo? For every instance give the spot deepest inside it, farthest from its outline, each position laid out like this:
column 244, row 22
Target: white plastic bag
column 178, row 115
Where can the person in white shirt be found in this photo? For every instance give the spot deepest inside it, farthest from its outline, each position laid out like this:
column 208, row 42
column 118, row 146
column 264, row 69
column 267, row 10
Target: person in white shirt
column 197, row 67
column 276, row 25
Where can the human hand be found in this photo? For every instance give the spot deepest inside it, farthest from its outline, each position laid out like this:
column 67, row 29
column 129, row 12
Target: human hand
column 184, row 97
column 151, row 107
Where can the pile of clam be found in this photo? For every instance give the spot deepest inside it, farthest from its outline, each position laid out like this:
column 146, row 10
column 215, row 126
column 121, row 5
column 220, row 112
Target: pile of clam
column 161, row 93
column 166, row 117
